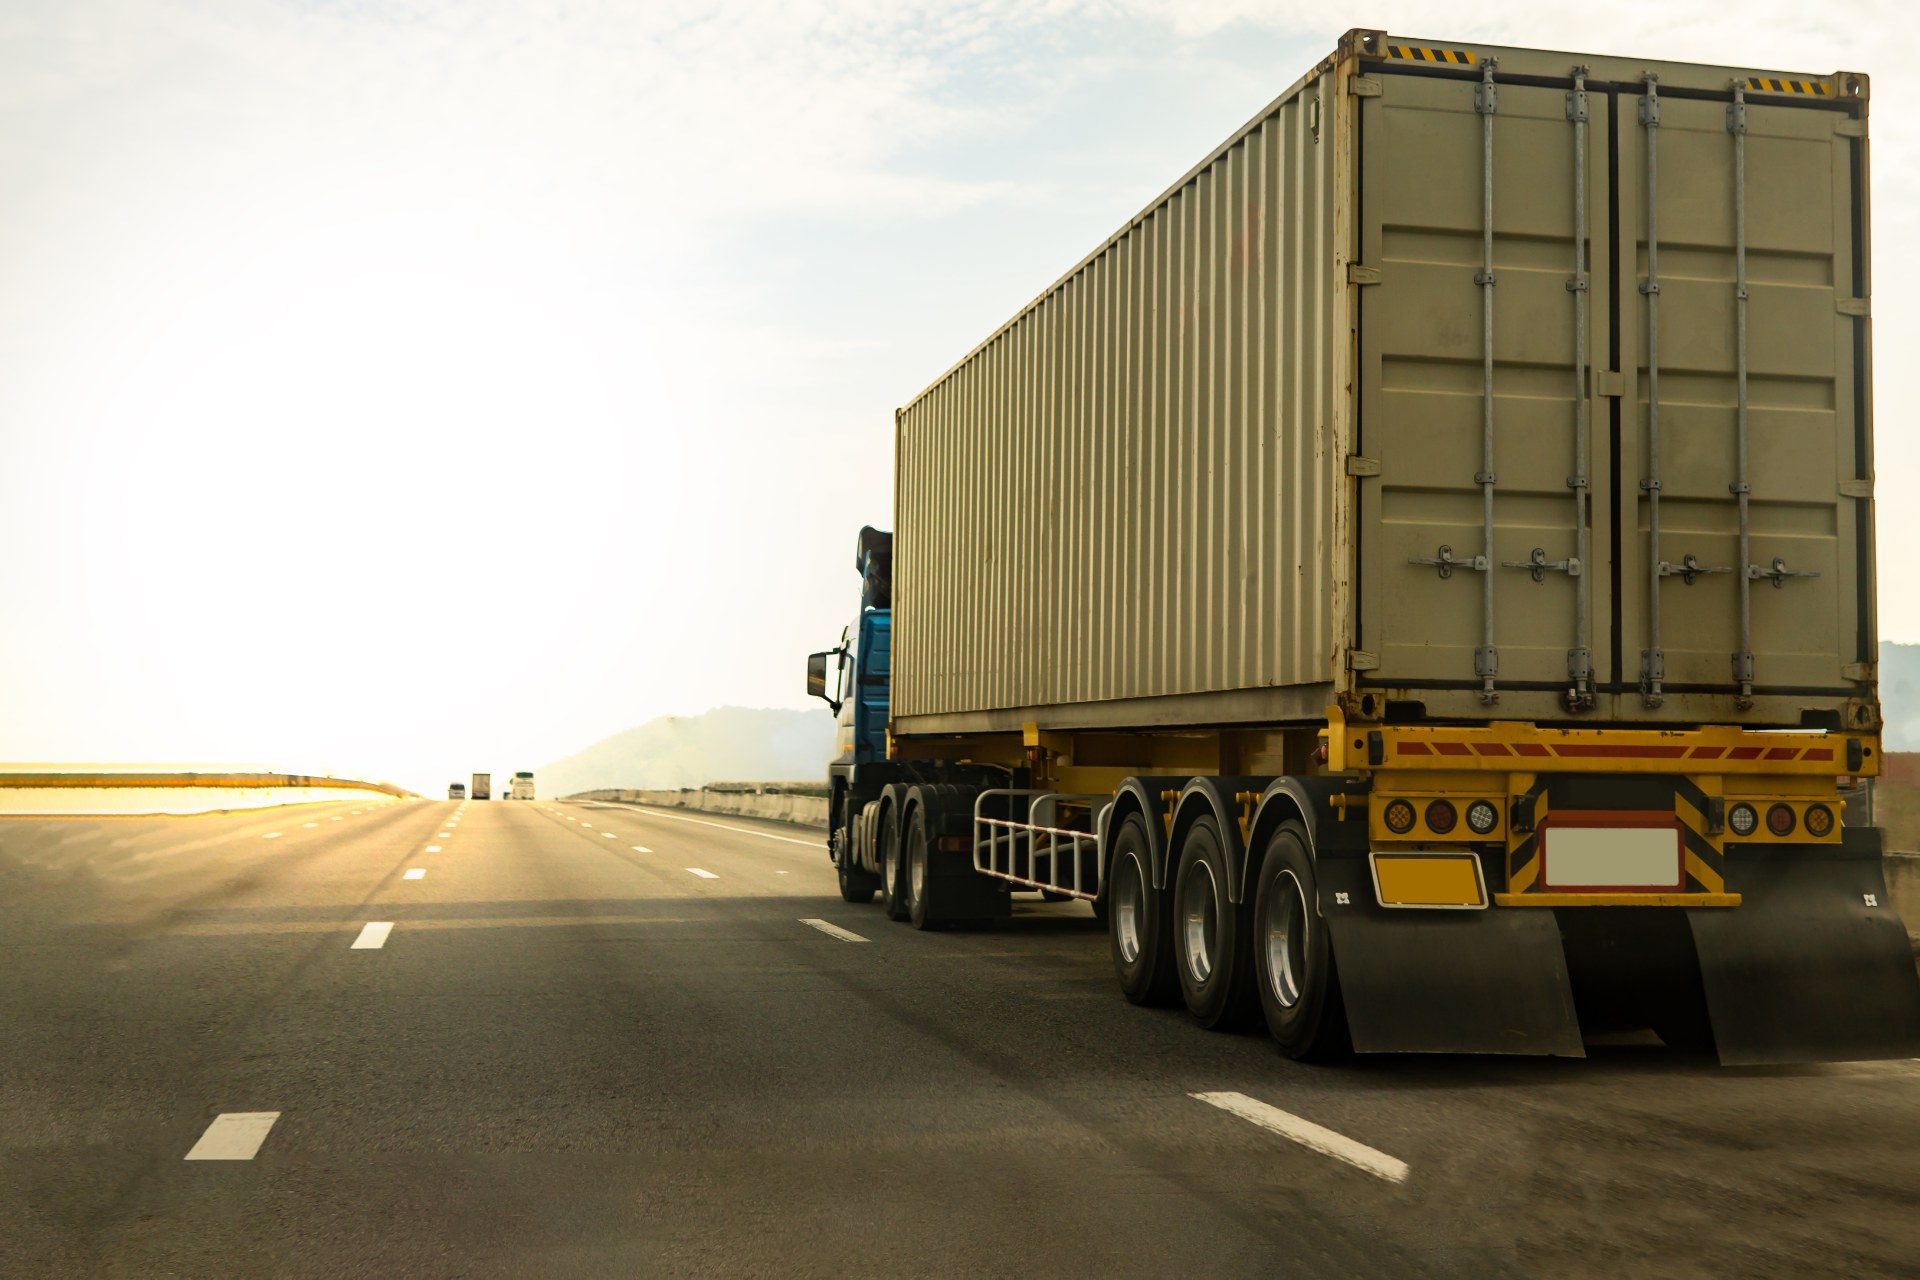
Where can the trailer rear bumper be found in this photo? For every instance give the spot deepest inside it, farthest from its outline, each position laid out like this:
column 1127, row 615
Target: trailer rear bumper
column 1803, row 959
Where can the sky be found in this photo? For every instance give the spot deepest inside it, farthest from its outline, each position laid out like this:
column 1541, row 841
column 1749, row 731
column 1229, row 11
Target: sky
column 408, row 387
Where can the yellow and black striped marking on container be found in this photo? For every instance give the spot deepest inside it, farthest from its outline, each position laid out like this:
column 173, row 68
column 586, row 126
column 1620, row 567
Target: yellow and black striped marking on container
column 1766, row 84
column 1420, row 53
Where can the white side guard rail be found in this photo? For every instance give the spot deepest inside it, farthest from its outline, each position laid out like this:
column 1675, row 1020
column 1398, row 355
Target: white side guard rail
column 1036, row 851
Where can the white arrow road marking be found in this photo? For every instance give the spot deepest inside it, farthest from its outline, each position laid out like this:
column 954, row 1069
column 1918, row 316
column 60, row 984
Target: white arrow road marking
column 1309, row 1135
column 835, row 931
column 373, row 937
column 234, row 1135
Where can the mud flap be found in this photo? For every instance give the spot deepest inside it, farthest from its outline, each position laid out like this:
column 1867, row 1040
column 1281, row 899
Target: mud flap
column 1492, row 981
column 1814, row 965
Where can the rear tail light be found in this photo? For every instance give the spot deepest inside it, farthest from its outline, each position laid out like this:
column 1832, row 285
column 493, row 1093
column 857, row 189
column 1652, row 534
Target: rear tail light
column 1741, row 819
column 1441, row 817
column 1819, row 820
column 1398, row 817
column 1780, row 820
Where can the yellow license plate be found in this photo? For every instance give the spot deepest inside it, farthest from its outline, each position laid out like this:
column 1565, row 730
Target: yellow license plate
column 1428, row 880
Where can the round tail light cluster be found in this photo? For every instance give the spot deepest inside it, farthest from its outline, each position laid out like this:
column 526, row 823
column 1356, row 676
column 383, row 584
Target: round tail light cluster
column 1441, row 817
column 1399, row 817
column 1780, row 820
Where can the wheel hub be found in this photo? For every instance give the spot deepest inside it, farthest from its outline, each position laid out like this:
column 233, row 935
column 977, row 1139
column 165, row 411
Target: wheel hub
column 1199, row 920
column 1283, row 933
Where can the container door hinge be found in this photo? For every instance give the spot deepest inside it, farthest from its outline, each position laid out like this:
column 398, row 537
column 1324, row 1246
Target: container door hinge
column 1363, row 87
column 1359, row 466
column 1358, row 660
column 1844, row 128
column 1852, row 306
column 1863, row 672
column 1856, row 488
column 1360, row 273
column 1608, row 382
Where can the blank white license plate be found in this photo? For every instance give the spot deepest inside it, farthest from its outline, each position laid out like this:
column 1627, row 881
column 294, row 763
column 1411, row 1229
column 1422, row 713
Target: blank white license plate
column 1611, row 858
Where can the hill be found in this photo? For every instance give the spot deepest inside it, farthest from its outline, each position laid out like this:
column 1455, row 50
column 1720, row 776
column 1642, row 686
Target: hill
column 746, row 743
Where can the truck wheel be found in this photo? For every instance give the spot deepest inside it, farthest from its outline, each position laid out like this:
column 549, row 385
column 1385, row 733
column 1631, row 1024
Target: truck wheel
column 1292, row 955
column 918, row 856
column 1138, row 932
column 1209, row 944
column 893, row 880
column 855, row 885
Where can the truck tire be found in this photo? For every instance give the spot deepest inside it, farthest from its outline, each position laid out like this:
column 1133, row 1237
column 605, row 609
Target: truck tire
column 1211, row 955
column 918, row 857
column 1139, row 933
column 856, row 883
column 893, row 879
column 1299, row 990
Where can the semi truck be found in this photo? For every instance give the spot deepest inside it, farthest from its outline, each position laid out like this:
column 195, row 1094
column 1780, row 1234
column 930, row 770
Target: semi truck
column 482, row 786
column 521, row 788
column 1415, row 580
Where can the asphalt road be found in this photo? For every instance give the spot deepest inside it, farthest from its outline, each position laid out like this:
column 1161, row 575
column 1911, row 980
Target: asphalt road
column 573, row 1055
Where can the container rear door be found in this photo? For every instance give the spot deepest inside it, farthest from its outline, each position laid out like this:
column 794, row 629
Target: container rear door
column 1423, row 392
column 1692, row 622
column 1701, row 614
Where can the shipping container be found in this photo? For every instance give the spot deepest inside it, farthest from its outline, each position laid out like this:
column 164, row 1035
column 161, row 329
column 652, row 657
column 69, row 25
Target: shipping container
column 1491, row 383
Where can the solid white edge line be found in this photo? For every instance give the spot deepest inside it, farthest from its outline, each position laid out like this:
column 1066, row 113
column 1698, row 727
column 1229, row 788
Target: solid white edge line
column 727, row 826
column 234, row 1135
column 415, row 873
column 835, row 931
column 704, row 875
column 373, row 937
column 1308, row 1134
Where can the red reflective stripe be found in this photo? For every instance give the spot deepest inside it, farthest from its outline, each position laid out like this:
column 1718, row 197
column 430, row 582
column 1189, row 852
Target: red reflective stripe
column 1452, row 748
column 1818, row 753
column 1412, row 749
column 1782, row 753
column 1531, row 749
column 1744, row 753
column 1707, row 753
column 1492, row 749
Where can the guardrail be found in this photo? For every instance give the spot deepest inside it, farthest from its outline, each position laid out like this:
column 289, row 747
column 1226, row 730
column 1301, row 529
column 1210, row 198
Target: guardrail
column 804, row 810
column 122, row 779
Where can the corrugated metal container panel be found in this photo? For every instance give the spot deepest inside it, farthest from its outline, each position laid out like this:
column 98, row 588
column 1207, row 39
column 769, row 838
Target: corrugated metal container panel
column 1124, row 494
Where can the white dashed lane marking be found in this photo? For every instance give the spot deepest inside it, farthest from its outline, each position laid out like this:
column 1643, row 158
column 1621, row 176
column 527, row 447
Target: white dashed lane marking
column 271, row 835
column 309, row 824
column 609, row 835
column 234, row 1135
column 373, row 937
column 640, row 848
column 835, row 931
column 433, row 848
column 1308, row 1134
column 704, row 875
column 415, row 873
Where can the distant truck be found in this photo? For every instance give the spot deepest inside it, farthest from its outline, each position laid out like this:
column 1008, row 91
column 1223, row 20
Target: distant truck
column 483, row 786
column 521, row 788
column 1411, row 664
column 457, row 791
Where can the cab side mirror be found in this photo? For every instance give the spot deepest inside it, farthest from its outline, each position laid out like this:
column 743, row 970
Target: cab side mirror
column 817, row 678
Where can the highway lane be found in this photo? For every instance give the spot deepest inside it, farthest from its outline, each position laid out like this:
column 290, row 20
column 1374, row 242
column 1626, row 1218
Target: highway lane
column 573, row 1055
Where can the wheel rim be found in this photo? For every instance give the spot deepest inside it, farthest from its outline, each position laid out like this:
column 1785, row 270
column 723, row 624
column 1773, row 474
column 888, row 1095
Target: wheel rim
column 1199, row 920
column 1284, row 935
column 1128, row 903
column 888, row 871
column 917, row 874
